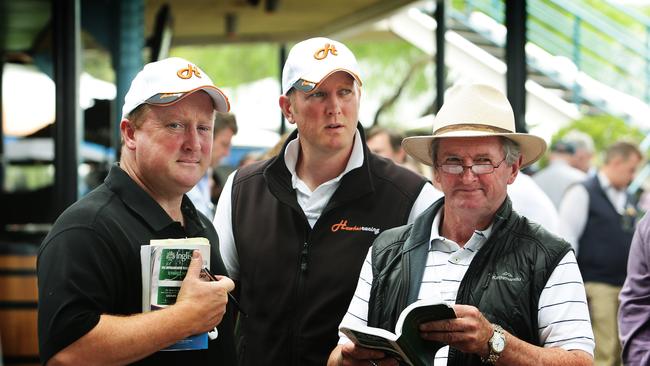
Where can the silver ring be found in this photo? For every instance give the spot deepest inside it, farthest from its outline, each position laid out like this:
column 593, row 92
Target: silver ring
column 373, row 363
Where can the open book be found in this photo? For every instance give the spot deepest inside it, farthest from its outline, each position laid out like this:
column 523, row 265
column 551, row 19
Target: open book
column 406, row 344
column 164, row 264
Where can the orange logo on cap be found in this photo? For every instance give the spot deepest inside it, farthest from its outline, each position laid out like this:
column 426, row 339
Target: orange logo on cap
column 187, row 73
column 322, row 53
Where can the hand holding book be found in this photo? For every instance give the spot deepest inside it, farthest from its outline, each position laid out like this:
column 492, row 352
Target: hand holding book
column 405, row 344
column 171, row 276
column 209, row 298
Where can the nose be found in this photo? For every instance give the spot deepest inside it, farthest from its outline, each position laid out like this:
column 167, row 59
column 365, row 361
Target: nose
column 192, row 140
column 468, row 175
column 333, row 105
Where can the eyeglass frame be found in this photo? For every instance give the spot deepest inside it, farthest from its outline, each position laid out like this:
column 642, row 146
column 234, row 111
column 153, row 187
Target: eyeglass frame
column 470, row 167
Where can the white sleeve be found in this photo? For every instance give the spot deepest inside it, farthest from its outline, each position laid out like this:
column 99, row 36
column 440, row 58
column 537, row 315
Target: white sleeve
column 573, row 213
column 563, row 315
column 427, row 196
column 223, row 224
column 358, row 310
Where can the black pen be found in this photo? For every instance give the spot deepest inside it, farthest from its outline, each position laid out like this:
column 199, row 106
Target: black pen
column 212, row 277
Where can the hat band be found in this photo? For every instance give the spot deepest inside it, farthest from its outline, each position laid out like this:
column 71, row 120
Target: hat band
column 470, row 127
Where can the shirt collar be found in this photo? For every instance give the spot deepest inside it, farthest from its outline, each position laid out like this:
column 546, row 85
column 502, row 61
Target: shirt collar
column 606, row 185
column 143, row 205
column 475, row 242
column 293, row 150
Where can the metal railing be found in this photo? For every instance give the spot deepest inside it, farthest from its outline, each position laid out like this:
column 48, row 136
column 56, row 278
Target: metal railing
column 610, row 43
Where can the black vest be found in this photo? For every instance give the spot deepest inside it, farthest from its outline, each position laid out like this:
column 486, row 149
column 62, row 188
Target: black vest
column 505, row 291
column 606, row 239
column 296, row 282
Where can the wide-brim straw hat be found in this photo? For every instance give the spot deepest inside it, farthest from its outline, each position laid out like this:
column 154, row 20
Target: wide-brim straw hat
column 475, row 110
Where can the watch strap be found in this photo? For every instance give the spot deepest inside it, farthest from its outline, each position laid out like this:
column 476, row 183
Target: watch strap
column 493, row 356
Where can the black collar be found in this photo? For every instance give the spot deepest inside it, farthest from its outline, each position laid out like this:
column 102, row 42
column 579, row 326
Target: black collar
column 144, row 206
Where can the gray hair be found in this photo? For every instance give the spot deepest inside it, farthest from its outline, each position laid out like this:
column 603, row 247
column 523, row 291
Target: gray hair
column 580, row 140
column 511, row 150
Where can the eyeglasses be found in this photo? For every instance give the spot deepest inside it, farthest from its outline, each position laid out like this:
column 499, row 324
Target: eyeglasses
column 477, row 169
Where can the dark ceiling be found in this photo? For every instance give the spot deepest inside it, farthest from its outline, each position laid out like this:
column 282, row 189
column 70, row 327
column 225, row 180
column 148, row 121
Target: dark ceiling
column 22, row 23
column 25, row 24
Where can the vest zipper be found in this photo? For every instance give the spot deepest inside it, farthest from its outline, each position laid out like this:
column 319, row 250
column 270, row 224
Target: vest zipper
column 302, row 271
column 303, row 258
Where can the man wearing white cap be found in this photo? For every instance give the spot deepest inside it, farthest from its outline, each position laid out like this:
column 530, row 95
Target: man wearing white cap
column 294, row 230
column 515, row 288
column 90, row 292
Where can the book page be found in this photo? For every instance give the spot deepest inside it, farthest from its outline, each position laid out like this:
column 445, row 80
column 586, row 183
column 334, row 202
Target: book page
column 424, row 310
column 407, row 326
column 145, row 260
column 376, row 338
column 170, row 259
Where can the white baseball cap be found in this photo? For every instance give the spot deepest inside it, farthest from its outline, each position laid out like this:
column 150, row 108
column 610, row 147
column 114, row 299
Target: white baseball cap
column 167, row 81
column 314, row 59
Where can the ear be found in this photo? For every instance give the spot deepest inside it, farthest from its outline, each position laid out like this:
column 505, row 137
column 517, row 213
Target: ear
column 515, row 169
column 127, row 130
column 285, row 106
column 401, row 155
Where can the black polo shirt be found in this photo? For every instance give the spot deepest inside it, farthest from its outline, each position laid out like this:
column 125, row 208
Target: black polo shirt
column 89, row 264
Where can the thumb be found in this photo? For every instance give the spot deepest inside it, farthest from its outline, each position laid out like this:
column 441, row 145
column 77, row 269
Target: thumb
column 194, row 270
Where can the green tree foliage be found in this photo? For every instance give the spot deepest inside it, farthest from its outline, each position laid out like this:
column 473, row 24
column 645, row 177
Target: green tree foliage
column 230, row 64
column 395, row 55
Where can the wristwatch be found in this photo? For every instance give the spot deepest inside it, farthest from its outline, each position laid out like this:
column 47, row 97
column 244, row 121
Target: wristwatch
column 496, row 344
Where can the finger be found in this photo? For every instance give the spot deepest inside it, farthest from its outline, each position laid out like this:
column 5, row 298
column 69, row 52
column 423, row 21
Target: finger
column 466, row 311
column 383, row 362
column 352, row 351
column 438, row 326
column 194, row 270
column 225, row 283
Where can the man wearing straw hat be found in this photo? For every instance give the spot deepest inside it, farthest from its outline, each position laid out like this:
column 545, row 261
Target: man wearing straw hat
column 515, row 288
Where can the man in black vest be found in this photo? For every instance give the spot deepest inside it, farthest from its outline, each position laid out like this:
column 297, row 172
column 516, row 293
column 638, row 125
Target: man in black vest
column 294, row 230
column 515, row 288
column 598, row 218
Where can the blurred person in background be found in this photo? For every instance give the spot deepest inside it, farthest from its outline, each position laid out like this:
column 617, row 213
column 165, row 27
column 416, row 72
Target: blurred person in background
column 633, row 316
column 225, row 127
column 529, row 200
column 569, row 161
column 386, row 143
column 598, row 217
column 584, row 150
column 250, row 158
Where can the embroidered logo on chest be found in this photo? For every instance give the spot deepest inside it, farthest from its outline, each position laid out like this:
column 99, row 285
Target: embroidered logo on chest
column 506, row 276
column 344, row 226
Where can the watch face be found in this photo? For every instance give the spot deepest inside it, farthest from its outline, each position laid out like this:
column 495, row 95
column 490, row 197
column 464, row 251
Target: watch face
column 498, row 343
